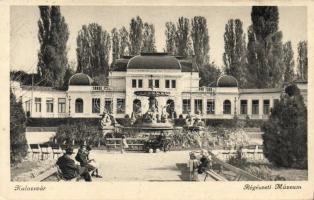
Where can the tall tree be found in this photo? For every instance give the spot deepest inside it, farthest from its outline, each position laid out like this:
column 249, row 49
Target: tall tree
column 115, row 44
column 136, row 35
column 183, row 38
column 18, row 143
column 288, row 62
column 171, row 38
column 265, row 67
column 148, row 44
column 53, row 35
column 285, row 133
column 234, row 57
column 302, row 60
column 200, row 38
column 124, row 42
column 208, row 74
column 93, row 49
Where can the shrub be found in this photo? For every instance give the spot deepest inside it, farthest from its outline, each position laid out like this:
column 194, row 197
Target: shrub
column 18, row 143
column 238, row 161
column 262, row 172
column 76, row 134
column 285, row 133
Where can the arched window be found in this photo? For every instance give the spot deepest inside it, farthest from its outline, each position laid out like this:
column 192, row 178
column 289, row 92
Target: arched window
column 137, row 106
column 227, row 107
column 79, row 105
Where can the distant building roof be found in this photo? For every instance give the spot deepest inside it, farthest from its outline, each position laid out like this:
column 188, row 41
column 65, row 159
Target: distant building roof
column 154, row 61
column 263, row 90
column 80, row 79
column 227, row 81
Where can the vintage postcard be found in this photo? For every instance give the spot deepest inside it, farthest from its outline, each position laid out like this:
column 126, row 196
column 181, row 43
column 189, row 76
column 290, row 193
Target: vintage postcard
column 156, row 100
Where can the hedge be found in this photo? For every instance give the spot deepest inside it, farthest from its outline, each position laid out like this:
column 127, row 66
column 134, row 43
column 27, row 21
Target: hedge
column 55, row 122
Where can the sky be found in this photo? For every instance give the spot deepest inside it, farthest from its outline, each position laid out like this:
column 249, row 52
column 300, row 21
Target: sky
column 24, row 43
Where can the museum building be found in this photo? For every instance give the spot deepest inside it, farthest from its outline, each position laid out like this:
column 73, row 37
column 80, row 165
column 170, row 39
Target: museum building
column 178, row 77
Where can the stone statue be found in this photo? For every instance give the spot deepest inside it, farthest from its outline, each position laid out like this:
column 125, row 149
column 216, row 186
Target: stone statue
column 105, row 120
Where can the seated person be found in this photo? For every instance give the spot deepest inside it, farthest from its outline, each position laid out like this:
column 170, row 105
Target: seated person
column 205, row 162
column 82, row 157
column 69, row 169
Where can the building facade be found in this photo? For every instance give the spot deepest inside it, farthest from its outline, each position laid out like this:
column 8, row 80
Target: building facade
column 150, row 71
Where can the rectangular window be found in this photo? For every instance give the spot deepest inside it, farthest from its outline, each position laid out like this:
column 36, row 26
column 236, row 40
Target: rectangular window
column 186, row 106
column 255, row 105
column 140, row 83
column 37, row 104
column 108, row 105
column 173, row 84
column 150, row 83
column 61, row 105
column 28, row 106
column 198, row 106
column 49, row 105
column 167, row 83
column 133, row 83
column 156, row 83
column 120, row 106
column 243, row 107
column 96, row 105
column 266, row 107
column 210, row 106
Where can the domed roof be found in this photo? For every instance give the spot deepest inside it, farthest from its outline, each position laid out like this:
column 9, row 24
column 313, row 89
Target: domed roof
column 80, row 79
column 154, row 61
column 227, row 81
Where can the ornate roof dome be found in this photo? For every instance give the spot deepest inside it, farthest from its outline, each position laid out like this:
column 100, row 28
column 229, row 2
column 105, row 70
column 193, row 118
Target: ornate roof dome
column 227, row 81
column 80, row 79
column 154, row 61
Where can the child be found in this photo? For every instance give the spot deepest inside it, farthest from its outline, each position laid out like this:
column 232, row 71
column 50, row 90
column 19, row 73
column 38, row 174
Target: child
column 124, row 144
column 193, row 166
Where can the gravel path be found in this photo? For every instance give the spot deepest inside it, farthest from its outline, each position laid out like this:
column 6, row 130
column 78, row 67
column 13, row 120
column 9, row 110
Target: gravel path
column 114, row 166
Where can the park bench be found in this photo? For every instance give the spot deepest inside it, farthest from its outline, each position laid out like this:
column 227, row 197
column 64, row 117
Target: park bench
column 35, row 150
column 133, row 143
column 44, row 150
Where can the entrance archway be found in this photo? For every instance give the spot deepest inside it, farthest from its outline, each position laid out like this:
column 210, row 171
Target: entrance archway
column 170, row 108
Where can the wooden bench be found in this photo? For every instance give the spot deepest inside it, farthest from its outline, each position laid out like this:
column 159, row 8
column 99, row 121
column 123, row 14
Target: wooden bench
column 116, row 143
column 35, row 150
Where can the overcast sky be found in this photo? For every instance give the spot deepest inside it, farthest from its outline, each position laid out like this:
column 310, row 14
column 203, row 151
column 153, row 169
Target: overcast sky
column 24, row 43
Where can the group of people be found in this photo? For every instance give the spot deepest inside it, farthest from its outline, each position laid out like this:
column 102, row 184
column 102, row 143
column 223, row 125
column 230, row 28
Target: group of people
column 86, row 169
column 199, row 166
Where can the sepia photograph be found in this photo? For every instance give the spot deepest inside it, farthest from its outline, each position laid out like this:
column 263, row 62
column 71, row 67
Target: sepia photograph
column 124, row 94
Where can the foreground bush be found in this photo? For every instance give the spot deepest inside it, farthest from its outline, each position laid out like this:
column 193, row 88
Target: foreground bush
column 18, row 143
column 285, row 133
column 262, row 172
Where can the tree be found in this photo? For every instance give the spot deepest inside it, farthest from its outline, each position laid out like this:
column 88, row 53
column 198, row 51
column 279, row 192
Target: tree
column 285, row 133
column 93, row 49
column 148, row 44
column 265, row 67
column 288, row 62
column 170, row 38
column 234, row 57
column 182, row 39
column 115, row 44
column 18, row 143
column 136, row 35
column 208, row 74
column 53, row 35
column 124, row 42
column 200, row 38
column 302, row 60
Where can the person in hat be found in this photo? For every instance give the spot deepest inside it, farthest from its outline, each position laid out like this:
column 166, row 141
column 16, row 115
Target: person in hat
column 82, row 157
column 69, row 169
